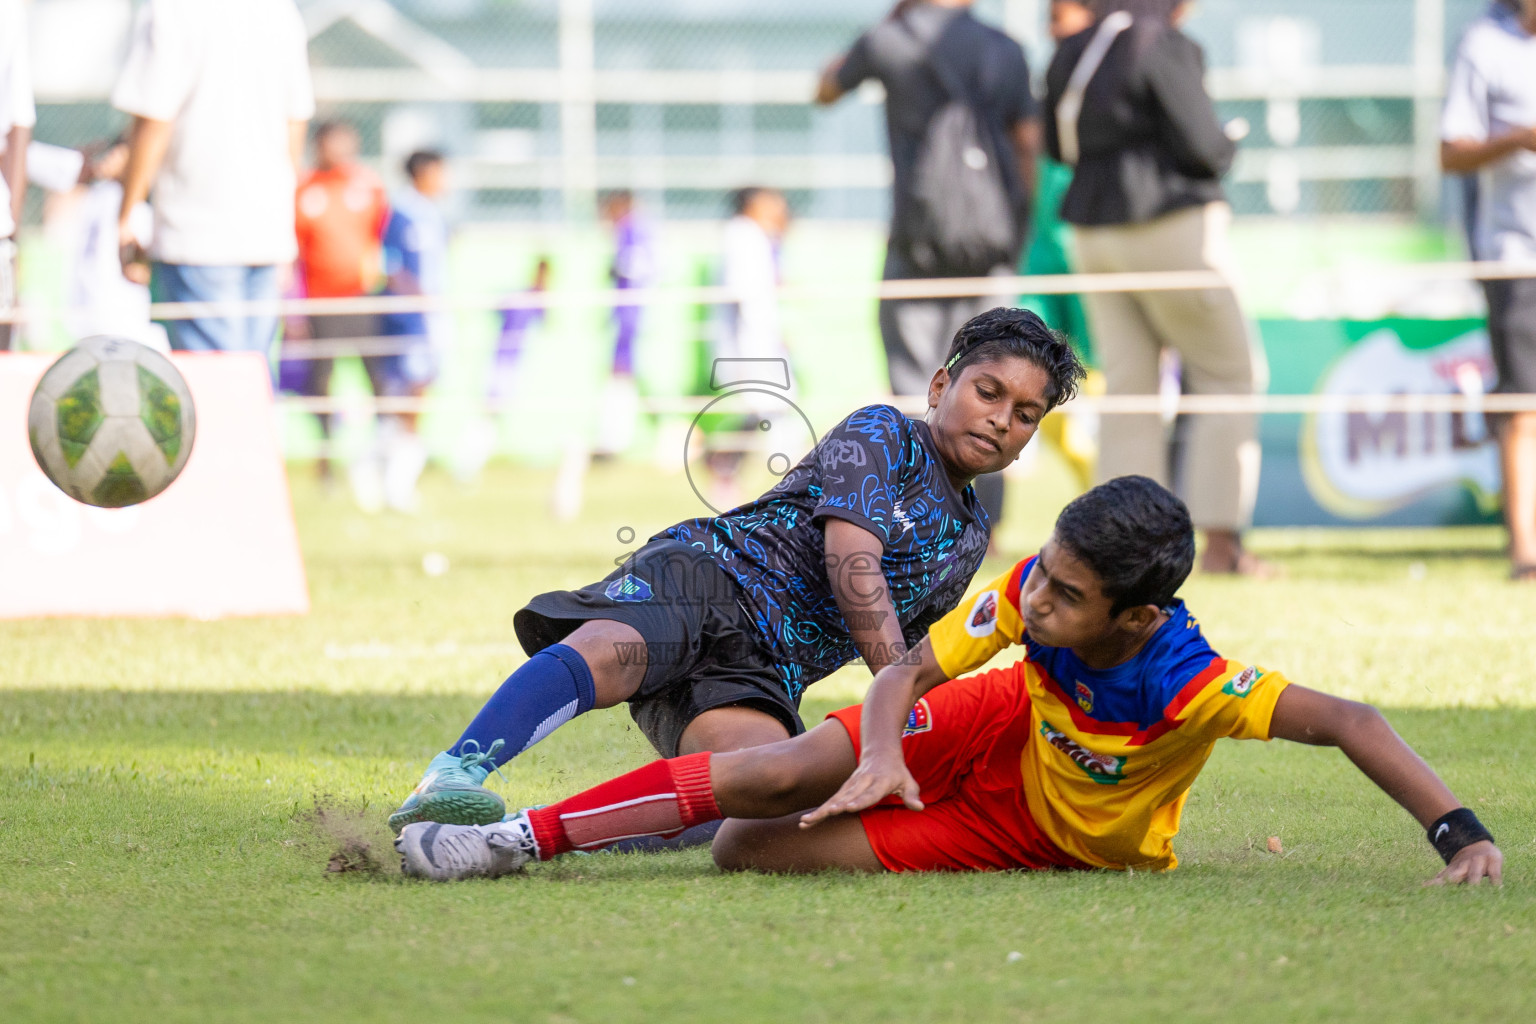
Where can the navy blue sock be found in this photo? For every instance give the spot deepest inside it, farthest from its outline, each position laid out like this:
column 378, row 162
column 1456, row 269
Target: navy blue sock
column 553, row 687
column 697, row 835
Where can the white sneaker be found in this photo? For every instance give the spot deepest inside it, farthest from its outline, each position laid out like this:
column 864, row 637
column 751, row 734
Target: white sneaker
column 367, row 478
column 404, row 459
column 618, row 413
column 446, row 853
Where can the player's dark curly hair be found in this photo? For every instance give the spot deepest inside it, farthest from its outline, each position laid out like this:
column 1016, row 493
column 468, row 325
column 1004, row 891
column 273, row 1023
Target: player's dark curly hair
column 1135, row 535
column 1017, row 332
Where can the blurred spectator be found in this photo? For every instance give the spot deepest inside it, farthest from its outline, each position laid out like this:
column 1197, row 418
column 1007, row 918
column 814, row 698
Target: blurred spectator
column 1050, row 239
column 478, row 442
column 517, row 325
column 415, row 263
column 1050, row 252
column 1489, row 128
column 17, row 116
column 220, row 94
column 100, row 297
column 634, row 266
column 1069, row 17
column 963, row 137
column 340, row 217
column 749, row 327
column 1127, row 108
column 749, row 267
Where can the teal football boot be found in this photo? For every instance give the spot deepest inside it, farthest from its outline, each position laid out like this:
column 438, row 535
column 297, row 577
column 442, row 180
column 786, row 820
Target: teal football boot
column 451, row 792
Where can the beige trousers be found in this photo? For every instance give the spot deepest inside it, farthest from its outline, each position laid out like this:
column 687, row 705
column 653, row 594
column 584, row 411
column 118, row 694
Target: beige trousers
column 1218, row 352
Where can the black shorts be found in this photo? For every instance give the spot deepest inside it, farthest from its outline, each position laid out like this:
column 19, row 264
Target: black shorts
column 701, row 646
column 1512, row 333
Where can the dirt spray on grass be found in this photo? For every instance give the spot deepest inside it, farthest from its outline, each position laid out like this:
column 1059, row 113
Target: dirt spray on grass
column 352, row 838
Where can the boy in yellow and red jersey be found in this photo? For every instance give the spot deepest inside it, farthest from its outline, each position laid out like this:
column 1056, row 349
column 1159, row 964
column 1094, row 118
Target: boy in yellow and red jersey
column 1080, row 755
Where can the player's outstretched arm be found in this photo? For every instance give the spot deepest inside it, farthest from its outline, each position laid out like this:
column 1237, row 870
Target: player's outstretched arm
column 882, row 770
column 1360, row 731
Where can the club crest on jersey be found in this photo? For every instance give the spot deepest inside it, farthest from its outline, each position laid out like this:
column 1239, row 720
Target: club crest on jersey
column 1084, row 698
column 629, row 587
column 919, row 719
column 983, row 618
column 1241, row 685
column 1105, row 769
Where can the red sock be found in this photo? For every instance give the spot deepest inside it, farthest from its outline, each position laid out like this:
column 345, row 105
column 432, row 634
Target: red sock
column 661, row 799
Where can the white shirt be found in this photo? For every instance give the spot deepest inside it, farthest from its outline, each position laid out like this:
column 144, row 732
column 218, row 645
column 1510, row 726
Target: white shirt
column 16, row 109
column 750, row 268
column 231, row 75
column 1492, row 91
column 99, row 299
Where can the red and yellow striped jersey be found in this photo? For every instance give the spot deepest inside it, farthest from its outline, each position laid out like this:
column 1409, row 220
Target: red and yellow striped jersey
column 1116, row 749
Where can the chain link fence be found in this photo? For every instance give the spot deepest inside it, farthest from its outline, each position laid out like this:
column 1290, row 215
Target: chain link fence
column 543, row 103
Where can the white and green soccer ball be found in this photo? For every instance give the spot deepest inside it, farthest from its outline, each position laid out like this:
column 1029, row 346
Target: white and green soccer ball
column 111, row 422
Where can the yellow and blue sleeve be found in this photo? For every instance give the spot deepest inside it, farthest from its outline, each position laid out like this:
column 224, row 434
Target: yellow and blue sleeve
column 986, row 622
column 1237, row 704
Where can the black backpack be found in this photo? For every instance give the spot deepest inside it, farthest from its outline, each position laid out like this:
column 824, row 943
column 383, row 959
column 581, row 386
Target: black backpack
column 969, row 211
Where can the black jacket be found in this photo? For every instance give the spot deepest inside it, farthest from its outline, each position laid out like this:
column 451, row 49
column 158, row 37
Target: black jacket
column 1148, row 139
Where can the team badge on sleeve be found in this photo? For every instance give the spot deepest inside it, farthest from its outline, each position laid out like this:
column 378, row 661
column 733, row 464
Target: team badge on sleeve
column 628, row 587
column 1241, row 685
column 983, row 618
column 920, row 719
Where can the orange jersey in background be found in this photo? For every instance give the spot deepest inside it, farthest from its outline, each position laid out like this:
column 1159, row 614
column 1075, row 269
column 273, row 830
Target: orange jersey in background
column 339, row 219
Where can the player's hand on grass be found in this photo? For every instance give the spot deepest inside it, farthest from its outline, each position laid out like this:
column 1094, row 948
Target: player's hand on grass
column 875, row 778
column 1471, row 865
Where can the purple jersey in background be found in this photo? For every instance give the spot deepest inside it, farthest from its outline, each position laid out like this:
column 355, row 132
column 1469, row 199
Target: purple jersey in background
column 634, row 266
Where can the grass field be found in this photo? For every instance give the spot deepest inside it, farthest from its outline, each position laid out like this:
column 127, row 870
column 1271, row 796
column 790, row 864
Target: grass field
column 163, row 864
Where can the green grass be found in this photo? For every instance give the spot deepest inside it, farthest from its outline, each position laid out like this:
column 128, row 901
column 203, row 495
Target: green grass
column 161, row 864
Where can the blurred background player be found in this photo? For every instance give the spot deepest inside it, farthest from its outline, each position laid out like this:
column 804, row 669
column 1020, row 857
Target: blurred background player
column 930, row 55
column 1050, row 239
column 101, row 297
column 519, row 324
column 1050, row 252
column 415, row 252
column 1488, row 128
column 340, row 213
column 17, row 115
column 220, row 96
column 634, row 266
column 1128, row 111
column 749, row 327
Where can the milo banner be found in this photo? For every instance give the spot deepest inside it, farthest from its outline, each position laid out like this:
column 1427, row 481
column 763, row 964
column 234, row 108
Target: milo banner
column 1378, row 468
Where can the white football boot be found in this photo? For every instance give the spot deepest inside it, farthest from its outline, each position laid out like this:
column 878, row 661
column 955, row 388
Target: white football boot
column 445, row 853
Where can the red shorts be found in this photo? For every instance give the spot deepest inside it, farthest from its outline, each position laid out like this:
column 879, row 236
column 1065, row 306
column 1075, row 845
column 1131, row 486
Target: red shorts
column 964, row 744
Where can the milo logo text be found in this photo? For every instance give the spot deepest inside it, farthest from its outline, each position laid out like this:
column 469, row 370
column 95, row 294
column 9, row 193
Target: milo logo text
column 1104, row 769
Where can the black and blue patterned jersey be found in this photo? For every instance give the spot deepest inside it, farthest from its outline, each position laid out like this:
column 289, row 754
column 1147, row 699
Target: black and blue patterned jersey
column 877, row 469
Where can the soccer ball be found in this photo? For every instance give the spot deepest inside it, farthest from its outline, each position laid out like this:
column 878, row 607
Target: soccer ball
column 111, row 422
